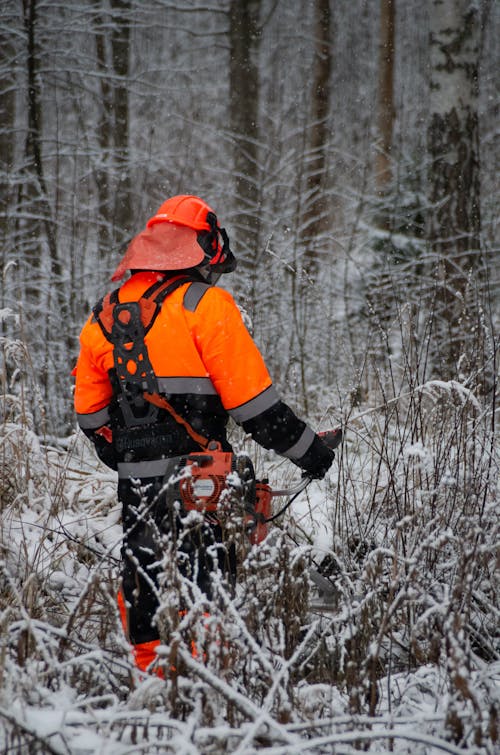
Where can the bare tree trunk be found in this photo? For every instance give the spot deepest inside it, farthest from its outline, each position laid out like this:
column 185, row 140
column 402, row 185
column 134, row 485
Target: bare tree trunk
column 317, row 212
column 453, row 145
column 105, row 137
column 244, row 36
column 33, row 148
column 113, row 178
column 46, row 298
column 383, row 172
column 7, row 146
column 120, row 50
column 377, row 298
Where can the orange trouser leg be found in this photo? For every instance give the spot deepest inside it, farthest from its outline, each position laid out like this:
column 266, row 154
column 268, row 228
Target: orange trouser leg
column 122, row 609
column 145, row 655
column 144, row 652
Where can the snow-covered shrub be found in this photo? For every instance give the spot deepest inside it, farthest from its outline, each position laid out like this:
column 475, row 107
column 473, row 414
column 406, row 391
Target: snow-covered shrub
column 401, row 653
column 414, row 547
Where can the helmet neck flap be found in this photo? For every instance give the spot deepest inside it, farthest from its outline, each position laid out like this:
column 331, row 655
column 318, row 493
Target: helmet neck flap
column 183, row 234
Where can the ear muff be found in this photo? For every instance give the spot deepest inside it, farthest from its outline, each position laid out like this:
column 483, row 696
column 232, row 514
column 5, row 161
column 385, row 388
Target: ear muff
column 228, row 261
column 215, row 244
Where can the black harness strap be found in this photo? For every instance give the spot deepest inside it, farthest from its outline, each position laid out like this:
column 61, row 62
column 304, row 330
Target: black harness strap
column 149, row 303
column 125, row 325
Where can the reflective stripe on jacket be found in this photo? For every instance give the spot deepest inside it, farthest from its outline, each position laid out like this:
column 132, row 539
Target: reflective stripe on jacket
column 200, row 350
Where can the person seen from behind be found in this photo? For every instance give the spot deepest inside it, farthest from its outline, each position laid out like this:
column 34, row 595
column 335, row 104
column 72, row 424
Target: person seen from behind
column 165, row 359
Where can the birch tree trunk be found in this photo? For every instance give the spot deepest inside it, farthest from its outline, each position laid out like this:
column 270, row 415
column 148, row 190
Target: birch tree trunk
column 454, row 222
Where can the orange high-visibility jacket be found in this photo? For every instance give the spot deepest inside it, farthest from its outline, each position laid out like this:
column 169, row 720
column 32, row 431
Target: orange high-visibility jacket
column 202, row 353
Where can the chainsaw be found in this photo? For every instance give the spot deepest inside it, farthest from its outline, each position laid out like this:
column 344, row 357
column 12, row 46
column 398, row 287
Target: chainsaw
column 208, row 478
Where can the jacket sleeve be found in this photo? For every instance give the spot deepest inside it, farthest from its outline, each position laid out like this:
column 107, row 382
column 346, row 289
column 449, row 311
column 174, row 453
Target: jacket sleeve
column 278, row 427
column 240, row 376
column 93, row 394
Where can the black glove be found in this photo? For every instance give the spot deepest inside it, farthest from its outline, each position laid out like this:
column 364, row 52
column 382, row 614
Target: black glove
column 104, row 447
column 317, row 460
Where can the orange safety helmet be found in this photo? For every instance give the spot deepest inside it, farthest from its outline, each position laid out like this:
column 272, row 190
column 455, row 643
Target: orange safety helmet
column 182, row 234
column 186, row 210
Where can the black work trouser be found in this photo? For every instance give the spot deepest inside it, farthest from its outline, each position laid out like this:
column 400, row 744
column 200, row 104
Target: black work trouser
column 147, row 518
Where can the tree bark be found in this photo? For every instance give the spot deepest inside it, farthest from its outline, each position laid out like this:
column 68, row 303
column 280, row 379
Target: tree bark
column 7, row 149
column 120, row 51
column 454, row 221
column 385, row 119
column 317, row 213
column 113, row 178
column 33, row 148
column 244, row 36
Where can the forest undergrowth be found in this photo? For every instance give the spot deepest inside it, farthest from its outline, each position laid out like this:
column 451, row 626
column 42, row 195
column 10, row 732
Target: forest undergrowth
column 401, row 654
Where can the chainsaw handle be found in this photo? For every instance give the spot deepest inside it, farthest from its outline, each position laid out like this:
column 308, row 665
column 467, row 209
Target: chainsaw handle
column 332, row 439
column 297, row 488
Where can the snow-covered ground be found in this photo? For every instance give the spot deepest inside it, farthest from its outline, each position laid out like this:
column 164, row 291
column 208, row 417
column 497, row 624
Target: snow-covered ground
column 402, row 655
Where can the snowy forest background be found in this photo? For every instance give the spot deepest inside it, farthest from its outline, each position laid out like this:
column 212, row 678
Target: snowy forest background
column 351, row 149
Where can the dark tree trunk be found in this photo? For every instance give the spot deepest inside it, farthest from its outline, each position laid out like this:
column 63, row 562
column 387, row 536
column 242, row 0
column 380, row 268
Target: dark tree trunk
column 385, row 96
column 317, row 211
column 46, row 297
column 244, row 36
column 120, row 50
column 33, row 149
column 113, row 176
column 7, row 147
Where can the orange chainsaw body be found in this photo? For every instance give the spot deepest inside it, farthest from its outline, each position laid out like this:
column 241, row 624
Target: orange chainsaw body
column 205, row 479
